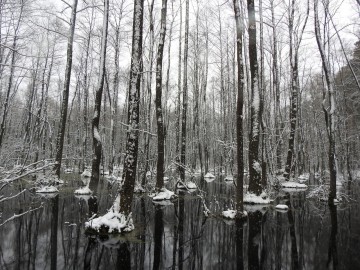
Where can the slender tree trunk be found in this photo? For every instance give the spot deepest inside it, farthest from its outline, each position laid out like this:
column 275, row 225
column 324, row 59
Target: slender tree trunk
column 254, row 164
column 185, row 97
column 97, row 146
column 158, row 101
column 130, row 161
column 65, row 95
column 329, row 113
column 294, row 65
column 239, row 110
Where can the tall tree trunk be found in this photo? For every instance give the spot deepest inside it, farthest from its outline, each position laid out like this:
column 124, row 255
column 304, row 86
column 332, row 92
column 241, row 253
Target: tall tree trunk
column 148, row 114
column 178, row 110
column 65, row 95
column 239, row 110
column 185, row 97
column 329, row 113
column 130, row 161
column 254, row 164
column 294, row 65
column 97, row 147
column 158, row 101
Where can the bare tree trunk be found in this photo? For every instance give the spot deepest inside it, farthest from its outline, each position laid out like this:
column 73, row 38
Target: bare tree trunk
column 239, row 111
column 130, row 161
column 254, row 164
column 65, row 97
column 185, row 97
column 158, row 101
column 97, row 146
column 149, row 91
column 329, row 113
column 276, row 86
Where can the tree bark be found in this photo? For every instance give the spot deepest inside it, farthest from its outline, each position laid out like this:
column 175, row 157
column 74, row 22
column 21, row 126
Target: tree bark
column 254, row 164
column 185, row 97
column 158, row 101
column 97, row 146
column 65, row 95
column 130, row 161
column 239, row 110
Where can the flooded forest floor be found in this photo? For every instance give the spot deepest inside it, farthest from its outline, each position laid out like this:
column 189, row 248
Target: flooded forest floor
column 40, row 231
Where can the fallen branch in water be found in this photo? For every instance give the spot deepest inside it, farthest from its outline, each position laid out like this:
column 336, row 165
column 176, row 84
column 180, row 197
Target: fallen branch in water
column 20, row 215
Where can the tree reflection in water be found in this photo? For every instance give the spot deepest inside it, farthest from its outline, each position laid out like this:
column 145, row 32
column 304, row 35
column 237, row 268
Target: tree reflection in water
column 179, row 236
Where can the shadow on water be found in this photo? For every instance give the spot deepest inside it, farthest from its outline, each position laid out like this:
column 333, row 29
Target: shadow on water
column 310, row 235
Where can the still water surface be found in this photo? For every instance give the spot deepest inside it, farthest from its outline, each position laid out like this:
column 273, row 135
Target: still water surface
column 179, row 236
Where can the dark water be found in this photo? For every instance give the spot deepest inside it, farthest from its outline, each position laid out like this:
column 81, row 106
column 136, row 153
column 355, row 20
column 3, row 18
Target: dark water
column 179, row 236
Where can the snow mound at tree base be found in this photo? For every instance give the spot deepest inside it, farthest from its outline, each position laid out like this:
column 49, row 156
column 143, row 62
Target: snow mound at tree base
column 231, row 214
column 164, row 194
column 83, row 191
column 111, row 222
column 282, row 207
column 251, row 198
column 47, row 189
column 291, row 184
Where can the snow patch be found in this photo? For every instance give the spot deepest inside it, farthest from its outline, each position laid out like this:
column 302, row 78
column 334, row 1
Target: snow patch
column 191, row 185
column 47, row 189
column 291, row 184
column 114, row 222
column 209, row 175
column 229, row 214
column 251, row 198
column 86, row 173
column 164, row 194
column 282, row 207
column 83, row 191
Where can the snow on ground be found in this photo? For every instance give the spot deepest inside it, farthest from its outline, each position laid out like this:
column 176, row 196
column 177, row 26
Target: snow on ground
column 291, row 184
column 139, row 189
column 191, row 185
column 209, row 175
column 84, row 197
column 113, row 221
column 69, row 170
column 180, row 185
column 229, row 214
column 281, row 207
column 164, row 194
column 86, row 173
column 47, row 189
column 304, row 177
column 83, row 191
column 251, row 198
column 229, row 178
